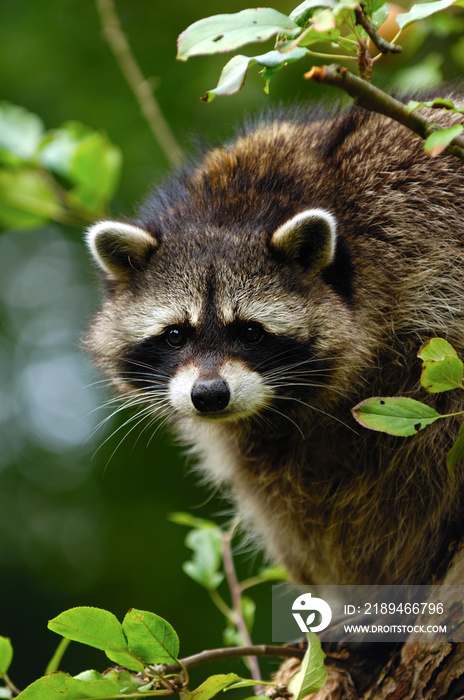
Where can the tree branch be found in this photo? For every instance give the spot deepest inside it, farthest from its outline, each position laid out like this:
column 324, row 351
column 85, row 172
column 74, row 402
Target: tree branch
column 205, row 657
column 368, row 96
column 141, row 88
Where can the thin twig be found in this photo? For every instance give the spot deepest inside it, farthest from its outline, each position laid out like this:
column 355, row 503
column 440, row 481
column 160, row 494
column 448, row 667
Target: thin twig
column 9, row 684
column 382, row 44
column 141, row 87
column 368, row 96
column 210, row 655
column 236, row 595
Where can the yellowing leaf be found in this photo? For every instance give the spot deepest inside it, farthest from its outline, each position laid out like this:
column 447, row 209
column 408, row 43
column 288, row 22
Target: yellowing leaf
column 442, row 375
column 436, row 349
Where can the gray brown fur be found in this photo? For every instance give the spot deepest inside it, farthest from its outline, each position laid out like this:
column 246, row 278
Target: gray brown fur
column 331, row 501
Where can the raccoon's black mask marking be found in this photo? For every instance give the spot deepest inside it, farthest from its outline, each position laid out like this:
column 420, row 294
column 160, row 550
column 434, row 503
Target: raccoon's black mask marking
column 277, row 358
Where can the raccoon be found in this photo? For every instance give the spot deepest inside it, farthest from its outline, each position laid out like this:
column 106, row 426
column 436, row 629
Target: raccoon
column 263, row 291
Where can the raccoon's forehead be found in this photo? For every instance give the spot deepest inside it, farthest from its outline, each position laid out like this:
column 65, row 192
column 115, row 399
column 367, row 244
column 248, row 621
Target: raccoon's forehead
column 221, row 293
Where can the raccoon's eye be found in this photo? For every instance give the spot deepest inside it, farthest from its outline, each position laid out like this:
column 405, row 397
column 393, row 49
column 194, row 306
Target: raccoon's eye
column 175, row 337
column 251, row 334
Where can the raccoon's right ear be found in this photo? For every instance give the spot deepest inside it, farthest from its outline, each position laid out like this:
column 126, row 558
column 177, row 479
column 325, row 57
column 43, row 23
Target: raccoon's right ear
column 309, row 237
column 119, row 248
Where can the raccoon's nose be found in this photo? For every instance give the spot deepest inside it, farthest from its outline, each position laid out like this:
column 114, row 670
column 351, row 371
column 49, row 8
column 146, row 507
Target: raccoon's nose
column 210, row 395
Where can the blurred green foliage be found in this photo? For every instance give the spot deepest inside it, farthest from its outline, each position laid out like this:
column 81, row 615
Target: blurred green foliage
column 83, row 518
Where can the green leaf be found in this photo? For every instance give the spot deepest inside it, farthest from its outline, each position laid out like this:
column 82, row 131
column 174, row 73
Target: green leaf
column 344, row 8
column 372, row 6
column 207, row 557
column 87, row 160
column 456, row 453
column 97, row 628
column 437, row 103
column 212, row 686
column 248, row 611
column 422, row 11
column 20, row 133
column 323, row 21
column 319, row 32
column 150, row 637
column 27, row 199
column 273, row 573
column 440, row 139
column 126, row 682
column 247, row 683
column 59, row 147
column 6, row 655
column 443, row 375
column 312, row 676
column 191, row 521
column 222, row 33
column 380, row 15
column 95, row 167
column 234, row 72
column 62, row 685
column 436, row 349
column 274, row 63
column 394, row 415
column 301, row 14
column 232, row 637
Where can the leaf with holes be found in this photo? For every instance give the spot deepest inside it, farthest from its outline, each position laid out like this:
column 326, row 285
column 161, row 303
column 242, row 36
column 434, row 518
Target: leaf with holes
column 223, row 33
column 394, row 415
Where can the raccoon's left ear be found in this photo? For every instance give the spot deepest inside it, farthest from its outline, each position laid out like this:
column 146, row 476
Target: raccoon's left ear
column 119, row 248
column 309, row 237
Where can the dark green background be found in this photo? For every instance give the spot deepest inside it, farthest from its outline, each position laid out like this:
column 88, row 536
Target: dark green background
column 81, row 526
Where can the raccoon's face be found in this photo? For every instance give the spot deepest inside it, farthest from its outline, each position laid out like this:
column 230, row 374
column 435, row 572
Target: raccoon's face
column 214, row 328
